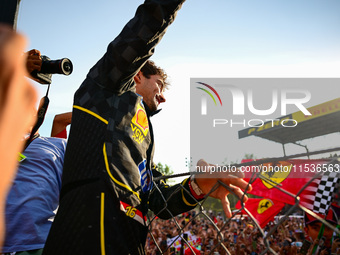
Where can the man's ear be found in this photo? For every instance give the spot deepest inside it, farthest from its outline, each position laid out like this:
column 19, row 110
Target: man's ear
column 138, row 77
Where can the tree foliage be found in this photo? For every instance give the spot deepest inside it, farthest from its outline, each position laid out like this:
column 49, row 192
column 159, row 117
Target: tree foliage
column 165, row 170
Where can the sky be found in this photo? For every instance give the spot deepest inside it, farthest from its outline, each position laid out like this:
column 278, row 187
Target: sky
column 209, row 39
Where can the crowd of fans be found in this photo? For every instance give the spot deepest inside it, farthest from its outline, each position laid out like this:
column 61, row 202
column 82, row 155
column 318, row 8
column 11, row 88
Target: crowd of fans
column 212, row 234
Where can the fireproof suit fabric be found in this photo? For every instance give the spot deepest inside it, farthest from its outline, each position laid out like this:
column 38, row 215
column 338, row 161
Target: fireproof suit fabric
column 107, row 185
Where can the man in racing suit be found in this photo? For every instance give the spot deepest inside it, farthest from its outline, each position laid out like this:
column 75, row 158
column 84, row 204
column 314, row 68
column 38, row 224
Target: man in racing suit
column 107, row 185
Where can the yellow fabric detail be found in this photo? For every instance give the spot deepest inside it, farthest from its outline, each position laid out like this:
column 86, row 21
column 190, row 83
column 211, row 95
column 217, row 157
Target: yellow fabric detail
column 115, row 180
column 102, row 235
column 183, row 197
column 21, row 157
column 91, row 113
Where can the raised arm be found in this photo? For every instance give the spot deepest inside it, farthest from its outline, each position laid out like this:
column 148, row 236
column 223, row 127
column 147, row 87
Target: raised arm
column 134, row 45
column 60, row 122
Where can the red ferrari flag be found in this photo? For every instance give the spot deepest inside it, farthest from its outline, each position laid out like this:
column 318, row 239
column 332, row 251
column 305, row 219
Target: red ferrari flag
column 284, row 180
column 263, row 209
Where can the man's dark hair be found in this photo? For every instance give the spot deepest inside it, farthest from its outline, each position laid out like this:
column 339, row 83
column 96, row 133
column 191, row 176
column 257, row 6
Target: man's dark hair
column 150, row 68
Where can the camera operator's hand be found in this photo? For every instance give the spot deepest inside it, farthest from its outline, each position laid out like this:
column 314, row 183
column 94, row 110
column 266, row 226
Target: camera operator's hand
column 33, row 62
column 233, row 180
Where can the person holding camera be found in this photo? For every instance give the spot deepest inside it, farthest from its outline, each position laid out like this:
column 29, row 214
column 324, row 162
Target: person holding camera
column 33, row 199
column 107, row 183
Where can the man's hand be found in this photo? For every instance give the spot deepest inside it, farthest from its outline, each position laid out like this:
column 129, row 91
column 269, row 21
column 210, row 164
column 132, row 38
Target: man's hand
column 33, row 61
column 232, row 180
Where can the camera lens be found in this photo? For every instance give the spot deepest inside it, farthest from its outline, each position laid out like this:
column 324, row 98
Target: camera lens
column 61, row 66
column 66, row 66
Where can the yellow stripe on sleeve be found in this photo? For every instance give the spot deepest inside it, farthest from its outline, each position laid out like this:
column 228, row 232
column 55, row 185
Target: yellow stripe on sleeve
column 91, row 113
column 183, row 197
column 115, row 180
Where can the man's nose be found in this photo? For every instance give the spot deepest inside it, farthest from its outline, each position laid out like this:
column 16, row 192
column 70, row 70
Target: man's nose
column 162, row 98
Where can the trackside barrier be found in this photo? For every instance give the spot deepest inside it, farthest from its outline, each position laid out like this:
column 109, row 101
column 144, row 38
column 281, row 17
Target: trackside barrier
column 203, row 231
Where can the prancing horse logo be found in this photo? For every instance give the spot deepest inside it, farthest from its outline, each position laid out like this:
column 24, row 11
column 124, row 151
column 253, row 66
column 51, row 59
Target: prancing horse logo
column 264, row 205
column 280, row 172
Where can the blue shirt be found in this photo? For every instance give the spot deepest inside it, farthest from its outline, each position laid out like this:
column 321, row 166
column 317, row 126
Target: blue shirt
column 33, row 199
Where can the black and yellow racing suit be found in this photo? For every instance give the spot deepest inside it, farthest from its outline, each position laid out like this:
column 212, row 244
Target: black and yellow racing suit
column 107, row 185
